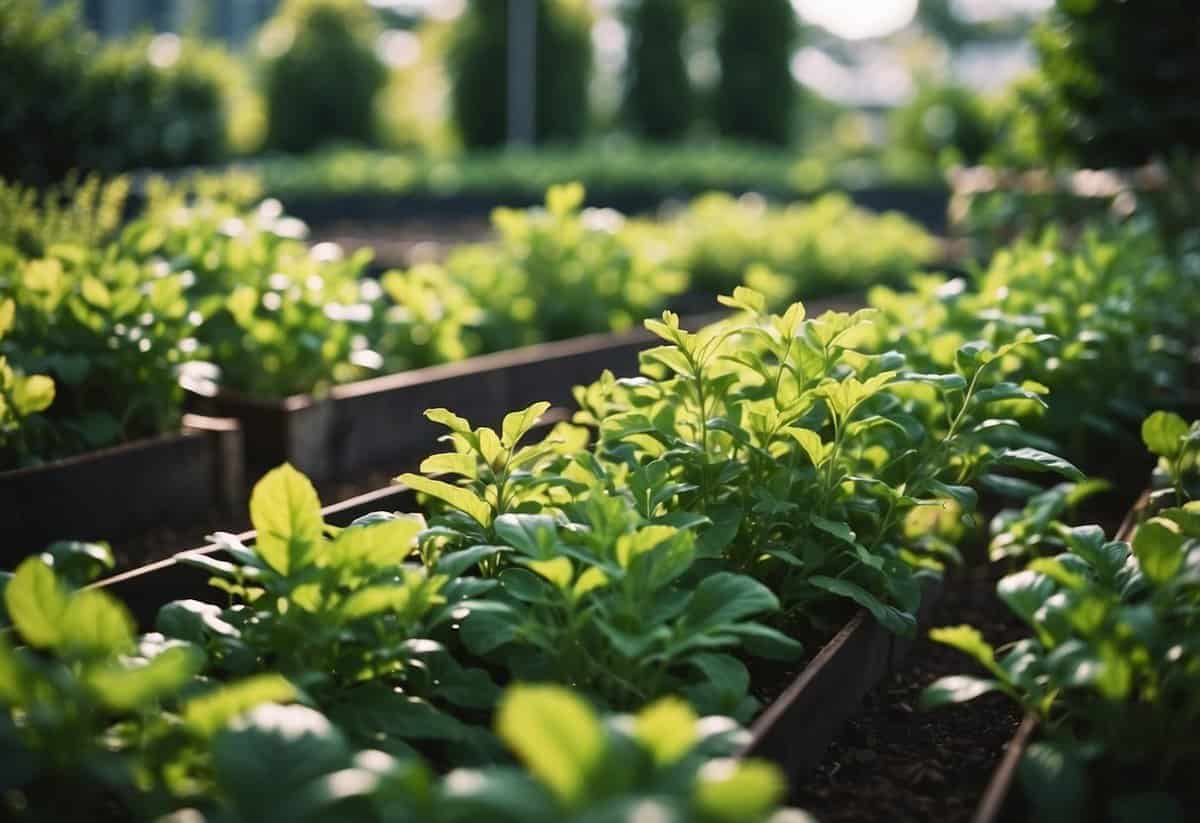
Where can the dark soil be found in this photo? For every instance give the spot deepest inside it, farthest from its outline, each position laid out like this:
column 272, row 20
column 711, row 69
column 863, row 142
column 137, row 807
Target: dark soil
column 895, row 762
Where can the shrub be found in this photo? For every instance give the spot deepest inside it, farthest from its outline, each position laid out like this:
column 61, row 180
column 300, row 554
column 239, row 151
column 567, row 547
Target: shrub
column 943, row 121
column 477, row 61
column 1125, row 73
column 44, row 63
column 159, row 102
column 321, row 74
column 756, row 96
column 658, row 95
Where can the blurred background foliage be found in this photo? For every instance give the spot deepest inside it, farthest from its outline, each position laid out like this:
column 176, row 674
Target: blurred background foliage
column 320, row 74
column 848, row 92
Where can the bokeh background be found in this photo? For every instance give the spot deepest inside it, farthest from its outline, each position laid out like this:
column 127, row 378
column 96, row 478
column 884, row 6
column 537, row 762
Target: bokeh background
column 846, row 91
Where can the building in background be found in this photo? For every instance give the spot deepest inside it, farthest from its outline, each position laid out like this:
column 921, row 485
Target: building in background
column 230, row 20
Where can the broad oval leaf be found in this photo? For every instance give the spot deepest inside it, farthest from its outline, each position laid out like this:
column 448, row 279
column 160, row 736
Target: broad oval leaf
column 556, row 735
column 36, row 603
column 1163, row 433
column 460, row 498
column 286, row 513
column 1158, row 546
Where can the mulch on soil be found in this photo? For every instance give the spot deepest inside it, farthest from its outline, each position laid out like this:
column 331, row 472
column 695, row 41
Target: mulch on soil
column 895, row 762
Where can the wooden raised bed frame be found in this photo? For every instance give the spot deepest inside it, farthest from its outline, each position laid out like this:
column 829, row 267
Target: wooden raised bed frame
column 174, row 481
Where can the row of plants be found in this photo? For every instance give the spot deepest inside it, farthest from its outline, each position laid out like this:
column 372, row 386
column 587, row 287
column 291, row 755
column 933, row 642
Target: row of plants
column 1110, row 668
column 764, row 477
column 207, row 280
column 613, row 167
column 1119, row 303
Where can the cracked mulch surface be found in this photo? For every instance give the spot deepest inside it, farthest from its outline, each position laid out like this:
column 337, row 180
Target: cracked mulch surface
column 894, row 761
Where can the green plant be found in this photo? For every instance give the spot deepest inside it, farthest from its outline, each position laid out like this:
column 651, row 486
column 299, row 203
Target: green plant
column 340, row 616
column 1111, row 667
column 111, row 332
column 808, row 454
column 658, row 91
column 593, row 592
column 86, row 703
column 659, row 761
column 279, row 317
column 21, row 396
column 943, row 124
column 194, row 721
column 756, row 95
column 799, row 250
column 558, row 272
column 1177, row 447
column 321, row 74
column 87, row 214
column 159, row 103
column 478, row 56
column 611, row 168
column 45, row 57
column 1114, row 300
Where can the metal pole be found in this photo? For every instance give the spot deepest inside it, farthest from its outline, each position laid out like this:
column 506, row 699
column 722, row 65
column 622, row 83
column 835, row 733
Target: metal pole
column 522, row 71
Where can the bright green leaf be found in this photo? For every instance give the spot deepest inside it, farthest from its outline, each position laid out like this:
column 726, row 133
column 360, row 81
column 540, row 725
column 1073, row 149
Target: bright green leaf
column 1158, row 545
column 286, row 513
column 667, row 728
column 36, row 603
column 456, row 496
column 556, row 735
column 1163, row 433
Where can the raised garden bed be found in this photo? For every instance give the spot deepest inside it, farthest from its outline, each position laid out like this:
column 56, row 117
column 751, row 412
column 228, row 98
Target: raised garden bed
column 925, row 204
column 792, row 731
column 379, row 422
column 112, row 494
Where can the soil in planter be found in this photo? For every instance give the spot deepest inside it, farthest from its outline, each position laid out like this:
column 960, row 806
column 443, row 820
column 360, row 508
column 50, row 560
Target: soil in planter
column 893, row 761
column 770, row 678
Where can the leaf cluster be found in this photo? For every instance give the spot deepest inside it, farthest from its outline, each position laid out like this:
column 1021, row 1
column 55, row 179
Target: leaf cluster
column 315, row 680
column 1117, row 304
column 1111, row 664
